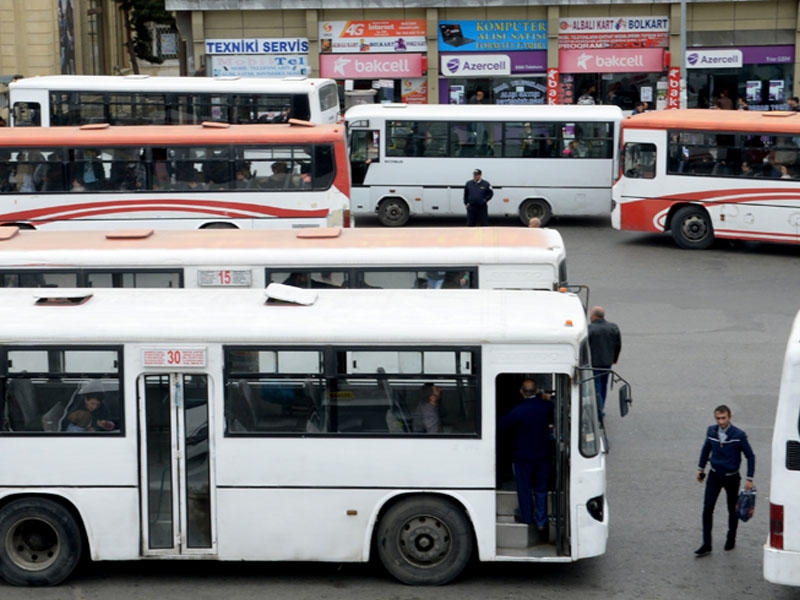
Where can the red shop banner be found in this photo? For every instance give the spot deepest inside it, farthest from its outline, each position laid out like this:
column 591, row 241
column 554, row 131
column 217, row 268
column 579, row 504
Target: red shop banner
column 366, row 66
column 674, row 87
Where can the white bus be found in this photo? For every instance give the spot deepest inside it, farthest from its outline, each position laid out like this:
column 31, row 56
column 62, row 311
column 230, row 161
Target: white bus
column 703, row 175
column 460, row 257
column 413, row 160
column 269, row 425
column 146, row 100
column 782, row 549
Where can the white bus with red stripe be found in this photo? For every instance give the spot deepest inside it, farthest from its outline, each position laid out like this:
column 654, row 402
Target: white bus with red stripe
column 706, row 174
column 212, row 175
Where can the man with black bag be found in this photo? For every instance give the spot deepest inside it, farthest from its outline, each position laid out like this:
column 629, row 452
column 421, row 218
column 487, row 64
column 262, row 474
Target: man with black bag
column 724, row 446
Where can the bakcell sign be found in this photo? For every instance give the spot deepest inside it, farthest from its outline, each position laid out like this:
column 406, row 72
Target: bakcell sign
column 714, row 59
column 611, row 60
column 365, row 66
column 475, row 65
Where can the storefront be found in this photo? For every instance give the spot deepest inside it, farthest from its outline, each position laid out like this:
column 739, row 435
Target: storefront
column 257, row 57
column 618, row 60
column 382, row 60
column 492, row 62
column 762, row 75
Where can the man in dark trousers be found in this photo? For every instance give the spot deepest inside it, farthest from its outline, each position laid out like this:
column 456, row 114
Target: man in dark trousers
column 605, row 343
column 477, row 193
column 530, row 424
column 724, row 447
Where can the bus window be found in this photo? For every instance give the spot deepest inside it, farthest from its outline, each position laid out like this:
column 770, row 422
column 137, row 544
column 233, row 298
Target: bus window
column 27, row 114
column 639, row 160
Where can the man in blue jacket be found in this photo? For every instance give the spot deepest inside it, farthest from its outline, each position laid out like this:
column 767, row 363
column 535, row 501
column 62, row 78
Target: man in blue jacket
column 530, row 426
column 477, row 193
column 724, row 446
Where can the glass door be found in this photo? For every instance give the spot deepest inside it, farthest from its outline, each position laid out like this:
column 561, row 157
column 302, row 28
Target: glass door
column 176, row 477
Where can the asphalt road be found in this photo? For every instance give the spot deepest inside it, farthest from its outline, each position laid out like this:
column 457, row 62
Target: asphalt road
column 699, row 329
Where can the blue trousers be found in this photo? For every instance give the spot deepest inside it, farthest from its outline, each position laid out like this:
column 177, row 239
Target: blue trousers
column 715, row 483
column 532, row 476
column 601, row 388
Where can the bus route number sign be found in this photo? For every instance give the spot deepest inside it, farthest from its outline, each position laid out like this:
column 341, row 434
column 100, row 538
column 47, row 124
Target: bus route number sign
column 174, row 357
column 224, row 278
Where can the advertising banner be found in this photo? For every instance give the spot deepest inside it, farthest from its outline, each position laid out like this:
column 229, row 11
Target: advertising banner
column 674, row 87
column 611, row 61
column 262, row 65
column 552, row 86
column 381, row 36
column 730, row 58
column 492, row 36
column 238, row 46
column 475, row 65
column 613, row 32
column 414, row 90
column 358, row 66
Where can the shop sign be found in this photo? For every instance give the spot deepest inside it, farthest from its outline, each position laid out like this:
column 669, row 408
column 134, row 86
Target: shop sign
column 616, row 32
column 414, row 91
column 674, row 87
column 520, row 91
column 552, row 86
column 379, row 36
column 358, row 66
column 260, row 66
column 504, row 35
column 475, row 65
column 714, row 59
column 611, row 61
column 232, row 47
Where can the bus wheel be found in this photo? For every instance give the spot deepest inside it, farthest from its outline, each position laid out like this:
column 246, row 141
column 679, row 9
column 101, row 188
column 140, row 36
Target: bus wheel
column 691, row 228
column 219, row 226
column 393, row 212
column 40, row 542
column 535, row 207
column 425, row 541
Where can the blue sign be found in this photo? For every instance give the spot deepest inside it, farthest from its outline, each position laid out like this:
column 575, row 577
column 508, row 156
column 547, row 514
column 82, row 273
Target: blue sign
column 492, row 36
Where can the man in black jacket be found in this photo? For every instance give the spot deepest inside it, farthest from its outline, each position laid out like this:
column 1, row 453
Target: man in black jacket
column 477, row 192
column 605, row 344
column 724, row 446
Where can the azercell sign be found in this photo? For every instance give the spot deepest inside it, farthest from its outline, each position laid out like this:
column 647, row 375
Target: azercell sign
column 714, row 59
column 475, row 65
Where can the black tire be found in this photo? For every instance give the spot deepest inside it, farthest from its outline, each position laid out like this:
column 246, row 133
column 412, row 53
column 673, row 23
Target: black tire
column 691, row 228
column 219, row 226
column 425, row 541
column 40, row 542
column 535, row 207
column 393, row 212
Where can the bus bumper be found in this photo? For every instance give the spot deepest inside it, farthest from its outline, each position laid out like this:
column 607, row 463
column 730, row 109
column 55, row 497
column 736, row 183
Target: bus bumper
column 780, row 566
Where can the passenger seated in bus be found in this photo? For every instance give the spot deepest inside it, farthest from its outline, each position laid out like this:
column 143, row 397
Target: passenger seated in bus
column 91, row 170
column 98, row 419
column 304, row 180
column 24, row 173
column 785, row 173
column 244, row 177
column 79, row 421
column 280, row 175
column 454, row 280
column 484, row 148
column 54, row 180
column 746, row 170
column 297, row 279
column 427, row 417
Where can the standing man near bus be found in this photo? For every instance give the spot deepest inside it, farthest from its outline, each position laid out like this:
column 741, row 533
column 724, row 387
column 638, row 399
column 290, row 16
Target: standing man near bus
column 477, row 193
column 605, row 344
column 724, row 446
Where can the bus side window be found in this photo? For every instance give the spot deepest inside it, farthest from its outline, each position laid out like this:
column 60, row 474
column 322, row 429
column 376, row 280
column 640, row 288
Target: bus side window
column 639, row 161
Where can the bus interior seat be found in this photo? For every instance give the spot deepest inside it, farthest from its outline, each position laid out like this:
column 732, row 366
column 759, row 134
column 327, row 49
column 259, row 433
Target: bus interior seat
column 23, row 409
column 241, row 417
column 397, row 416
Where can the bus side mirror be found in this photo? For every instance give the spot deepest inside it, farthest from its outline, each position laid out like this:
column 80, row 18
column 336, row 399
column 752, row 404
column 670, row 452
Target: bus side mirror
column 624, row 399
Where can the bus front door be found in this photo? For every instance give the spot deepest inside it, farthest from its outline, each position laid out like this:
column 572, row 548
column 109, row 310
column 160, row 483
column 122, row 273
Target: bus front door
column 176, row 477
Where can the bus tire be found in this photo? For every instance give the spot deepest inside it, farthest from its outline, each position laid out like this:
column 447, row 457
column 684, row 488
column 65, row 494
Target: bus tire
column 535, row 207
column 691, row 228
column 40, row 542
column 393, row 212
column 219, row 225
column 425, row 541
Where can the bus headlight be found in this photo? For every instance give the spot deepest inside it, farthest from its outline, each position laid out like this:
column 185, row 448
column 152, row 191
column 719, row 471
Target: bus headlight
column 595, row 507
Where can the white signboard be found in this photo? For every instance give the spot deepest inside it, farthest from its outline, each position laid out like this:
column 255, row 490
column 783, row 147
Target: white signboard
column 475, row 65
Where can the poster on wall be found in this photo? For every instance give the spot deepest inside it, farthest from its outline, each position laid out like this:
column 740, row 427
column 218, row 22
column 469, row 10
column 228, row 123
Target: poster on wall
column 379, row 36
column 260, row 65
column 492, row 35
column 521, row 91
column 414, row 90
column 613, row 32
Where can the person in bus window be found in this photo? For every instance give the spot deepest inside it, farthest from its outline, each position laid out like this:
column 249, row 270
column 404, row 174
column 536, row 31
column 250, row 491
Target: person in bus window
column 98, row 420
column 427, row 417
column 79, row 421
column 747, row 171
column 92, row 173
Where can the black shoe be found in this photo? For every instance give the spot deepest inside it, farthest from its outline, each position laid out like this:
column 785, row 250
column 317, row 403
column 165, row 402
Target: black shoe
column 730, row 544
column 543, row 534
column 702, row 551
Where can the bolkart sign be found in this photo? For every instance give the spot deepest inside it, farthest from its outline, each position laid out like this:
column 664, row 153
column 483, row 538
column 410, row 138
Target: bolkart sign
column 475, row 65
column 714, row 59
column 360, row 66
column 622, row 60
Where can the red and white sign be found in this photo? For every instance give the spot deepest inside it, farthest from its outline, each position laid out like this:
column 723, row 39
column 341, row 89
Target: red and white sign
column 674, row 87
column 613, row 32
column 611, row 61
column 407, row 35
column 177, row 356
column 365, row 66
column 552, row 86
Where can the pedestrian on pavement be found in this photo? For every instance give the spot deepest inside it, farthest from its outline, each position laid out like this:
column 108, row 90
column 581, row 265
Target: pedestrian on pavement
column 723, row 447
column 605, row 344
column 477, row 193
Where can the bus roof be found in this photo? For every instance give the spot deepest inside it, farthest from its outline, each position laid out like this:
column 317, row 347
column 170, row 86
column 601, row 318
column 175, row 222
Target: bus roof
column 148, row 83
column 745, row 121
column 484, row 112
column 383, row 246
column 138, row 135
column 162, row 316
